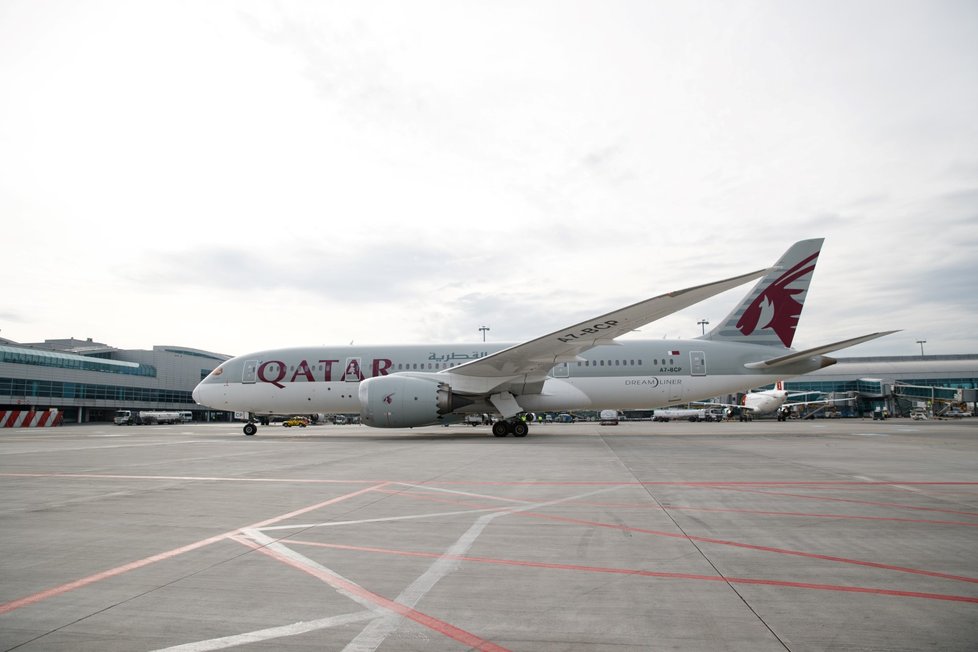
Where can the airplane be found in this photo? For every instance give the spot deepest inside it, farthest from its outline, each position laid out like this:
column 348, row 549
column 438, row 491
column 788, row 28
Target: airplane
column 767, row 401
column 581, row 367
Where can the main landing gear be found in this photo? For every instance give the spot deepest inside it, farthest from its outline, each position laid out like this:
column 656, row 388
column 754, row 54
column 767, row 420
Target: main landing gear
column 515, row 427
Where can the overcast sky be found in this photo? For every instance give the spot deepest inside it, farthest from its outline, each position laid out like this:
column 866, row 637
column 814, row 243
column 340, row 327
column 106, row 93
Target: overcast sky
column 234, row 176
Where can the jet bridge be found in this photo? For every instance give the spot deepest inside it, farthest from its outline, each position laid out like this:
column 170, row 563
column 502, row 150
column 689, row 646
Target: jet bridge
column 939, row 399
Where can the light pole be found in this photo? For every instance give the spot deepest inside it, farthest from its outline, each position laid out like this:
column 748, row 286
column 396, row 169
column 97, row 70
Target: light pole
column 483, row 329
column 921, row 343
column 703, row 324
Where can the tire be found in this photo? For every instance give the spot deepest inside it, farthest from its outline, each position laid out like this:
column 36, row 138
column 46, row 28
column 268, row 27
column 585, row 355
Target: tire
column 520, row 429
column 250, row 429
column 500, row 429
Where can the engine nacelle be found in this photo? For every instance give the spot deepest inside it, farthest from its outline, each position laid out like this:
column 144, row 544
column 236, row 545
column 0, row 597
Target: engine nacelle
column 402, row 401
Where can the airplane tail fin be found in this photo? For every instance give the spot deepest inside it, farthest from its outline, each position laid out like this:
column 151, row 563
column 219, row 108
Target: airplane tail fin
column 769, row 314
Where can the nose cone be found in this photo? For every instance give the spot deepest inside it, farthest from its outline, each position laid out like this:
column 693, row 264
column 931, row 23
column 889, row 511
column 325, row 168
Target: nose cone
column 208, row 395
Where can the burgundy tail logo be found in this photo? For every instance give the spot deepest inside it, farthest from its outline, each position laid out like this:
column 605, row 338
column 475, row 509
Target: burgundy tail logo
column 776, row 307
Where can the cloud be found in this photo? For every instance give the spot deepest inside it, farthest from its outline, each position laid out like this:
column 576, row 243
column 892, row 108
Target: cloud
column 381, row 273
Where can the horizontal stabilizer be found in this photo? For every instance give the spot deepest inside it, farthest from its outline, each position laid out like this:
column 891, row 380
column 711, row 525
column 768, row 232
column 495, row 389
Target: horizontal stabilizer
column 819, row 350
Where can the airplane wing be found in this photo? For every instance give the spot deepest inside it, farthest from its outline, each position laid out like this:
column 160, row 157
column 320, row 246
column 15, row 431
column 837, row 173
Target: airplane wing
column 794, row 356
column 536, row 357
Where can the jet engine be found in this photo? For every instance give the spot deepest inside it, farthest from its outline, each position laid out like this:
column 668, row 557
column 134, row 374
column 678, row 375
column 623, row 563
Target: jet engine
column 401, row 401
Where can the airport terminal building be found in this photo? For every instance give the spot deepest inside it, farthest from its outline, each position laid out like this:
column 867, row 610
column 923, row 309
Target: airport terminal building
column 88, row 381
column 937, row 384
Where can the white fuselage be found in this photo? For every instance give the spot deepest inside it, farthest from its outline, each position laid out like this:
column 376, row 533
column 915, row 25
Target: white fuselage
column 765, row 401
column 629, row 375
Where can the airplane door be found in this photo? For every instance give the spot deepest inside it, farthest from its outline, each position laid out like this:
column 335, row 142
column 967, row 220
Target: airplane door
column 697, row 363
column 250, row 371
column 561, row 370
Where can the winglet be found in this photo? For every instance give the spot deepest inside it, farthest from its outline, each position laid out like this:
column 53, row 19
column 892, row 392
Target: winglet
column 819, row 350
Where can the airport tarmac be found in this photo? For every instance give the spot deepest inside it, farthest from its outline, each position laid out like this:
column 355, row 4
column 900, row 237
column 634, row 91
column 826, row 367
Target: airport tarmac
column 816, row 535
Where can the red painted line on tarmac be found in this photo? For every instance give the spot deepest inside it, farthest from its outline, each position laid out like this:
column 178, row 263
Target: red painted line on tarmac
column 749, row 546
column 841, row 517
column 169, row 554
column 645, row 573
column 432, row 623
column 892, row 487
column 97, row 577
column 856, row 501
column 675, row 535
column 699, row 483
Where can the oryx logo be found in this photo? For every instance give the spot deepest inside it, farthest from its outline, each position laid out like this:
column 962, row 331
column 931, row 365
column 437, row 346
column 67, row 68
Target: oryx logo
column 389, row 399
column 776, row 307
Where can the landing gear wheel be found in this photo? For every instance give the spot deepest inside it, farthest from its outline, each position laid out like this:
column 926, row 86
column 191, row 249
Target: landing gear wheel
column 500, row 429
column 250, row 429
column 520, row 429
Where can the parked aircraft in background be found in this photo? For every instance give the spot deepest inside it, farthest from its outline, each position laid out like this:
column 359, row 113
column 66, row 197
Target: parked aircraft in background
column 768, row 401
column 582, row 366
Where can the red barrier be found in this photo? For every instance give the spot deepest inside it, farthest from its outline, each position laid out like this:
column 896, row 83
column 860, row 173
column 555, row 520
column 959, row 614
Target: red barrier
column 30, row 418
